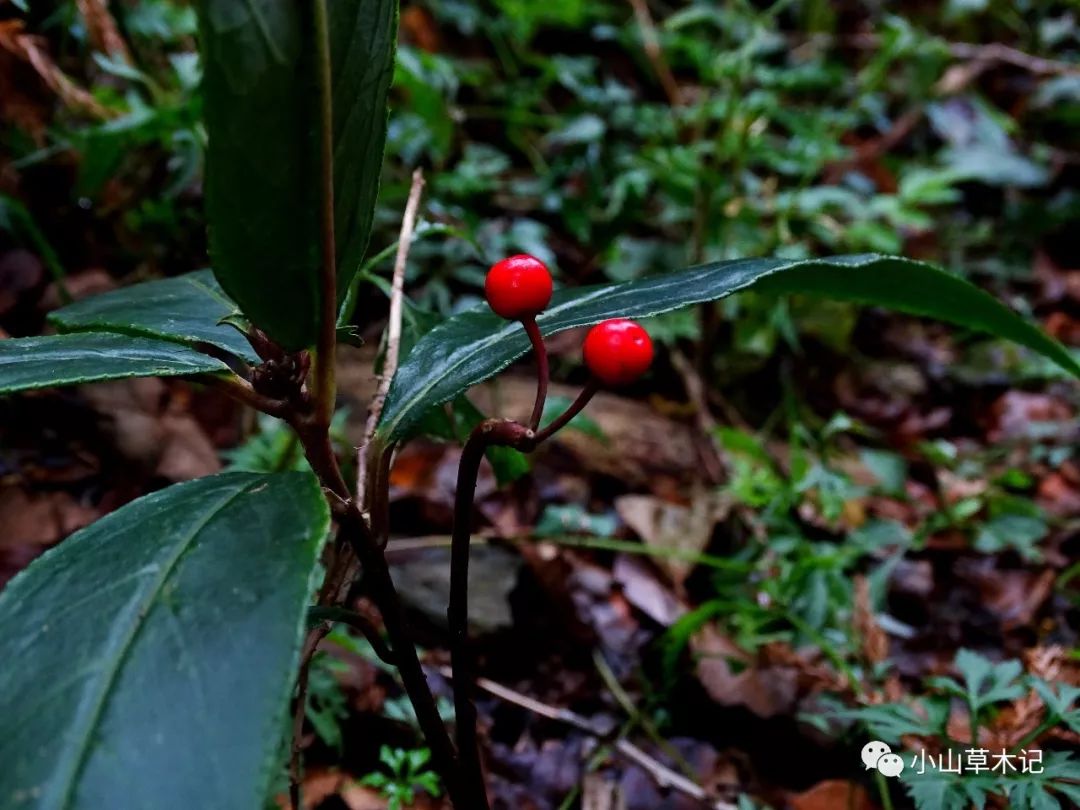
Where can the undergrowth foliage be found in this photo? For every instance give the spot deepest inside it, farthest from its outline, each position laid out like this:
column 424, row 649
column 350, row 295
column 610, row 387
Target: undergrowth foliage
column 126, row 679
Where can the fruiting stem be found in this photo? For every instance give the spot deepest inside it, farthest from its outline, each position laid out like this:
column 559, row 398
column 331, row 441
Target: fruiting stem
column 542, row 372
column 468, row 744
column 323, row 372
column 487, row 433
column 576, row 407
column 490, row 432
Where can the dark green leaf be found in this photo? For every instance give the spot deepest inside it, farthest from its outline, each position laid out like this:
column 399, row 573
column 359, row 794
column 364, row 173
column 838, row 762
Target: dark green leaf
column 156, row 649
column 263, row 167
column 474, row 345
column 43, row 362
column 187, row 309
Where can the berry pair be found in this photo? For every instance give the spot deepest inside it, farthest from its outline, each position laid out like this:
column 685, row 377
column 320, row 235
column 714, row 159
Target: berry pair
column 617, row 351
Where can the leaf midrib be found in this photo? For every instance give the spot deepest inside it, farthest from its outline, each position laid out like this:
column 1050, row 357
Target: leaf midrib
column 113, row 667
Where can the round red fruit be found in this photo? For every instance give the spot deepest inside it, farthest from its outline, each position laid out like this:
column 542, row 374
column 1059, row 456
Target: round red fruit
column 518, row 287
column 618, row 351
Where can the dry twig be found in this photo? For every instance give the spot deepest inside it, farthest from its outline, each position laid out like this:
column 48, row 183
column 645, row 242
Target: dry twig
column 31, row 49
column 393, row 330
column 651, row 42
column 661, row 774
column 102, row 29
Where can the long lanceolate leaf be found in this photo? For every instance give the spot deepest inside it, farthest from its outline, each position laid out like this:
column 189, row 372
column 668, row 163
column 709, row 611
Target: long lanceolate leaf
column 263, row 166
column 43, row 362
column 186, row 309
column 474, row 345
column 148, row 659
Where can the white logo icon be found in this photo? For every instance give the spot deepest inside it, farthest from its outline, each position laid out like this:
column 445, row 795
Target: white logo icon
column 876, row 754
column 890, row 764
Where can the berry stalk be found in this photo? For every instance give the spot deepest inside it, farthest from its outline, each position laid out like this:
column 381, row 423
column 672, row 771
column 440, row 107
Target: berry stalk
column 542, row 372
column 487, row 433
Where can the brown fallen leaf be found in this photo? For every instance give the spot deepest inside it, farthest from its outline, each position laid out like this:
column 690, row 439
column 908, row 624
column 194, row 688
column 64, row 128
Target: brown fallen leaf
column 79, row 285
column 643, row 589
column 319, row 785
column 187, row 452
column 873, row 642
column 33, row 521
column 767, row 693
column 670, row 526
column 151, row 431
column 1016, row 722
column 833, row 794
column 1015, row 596
column 40, row 518
column 20, row 272
column 32, row 50
column 1016, row 414
column 358, row 797
column 1064, row 327
column 1059, row 492
column 419, row 27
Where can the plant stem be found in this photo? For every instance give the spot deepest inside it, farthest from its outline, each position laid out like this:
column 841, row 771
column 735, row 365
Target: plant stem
column 358, row 621
column 489, row 432
column 319, row 451
column 458, row 617
column 416, row 686
column 240, row 389
column 378, row 503
column 542, row 373
column 576, row 407
column 323, row 374
column 306, row 655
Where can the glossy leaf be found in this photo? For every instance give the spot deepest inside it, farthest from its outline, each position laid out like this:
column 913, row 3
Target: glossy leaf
column 186, row 309
column 471, row 347
column 262, row 185
column 156, row 649
column 44, row 362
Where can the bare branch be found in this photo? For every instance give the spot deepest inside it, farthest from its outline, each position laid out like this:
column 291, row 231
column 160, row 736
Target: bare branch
column 651, row 42
column 299, row 710
column 661, row 774
column 393, row 333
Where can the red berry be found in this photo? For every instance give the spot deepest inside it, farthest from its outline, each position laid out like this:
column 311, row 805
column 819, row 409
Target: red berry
column 618, row 351
column 518, row 287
